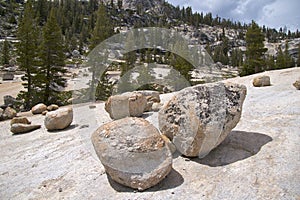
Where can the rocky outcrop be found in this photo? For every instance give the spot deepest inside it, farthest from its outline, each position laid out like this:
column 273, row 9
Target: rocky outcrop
column 133, row 152
column 19, row 120
column 297, row 84
column 59, row 119
column 197, row 119
column 38, row 109
column 19, row 128
column 261, row 81
column 129, row 104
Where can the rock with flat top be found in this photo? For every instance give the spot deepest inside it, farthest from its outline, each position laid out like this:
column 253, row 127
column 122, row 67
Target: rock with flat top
column 128, row 104
column 52, row 107
column 19, row 128
column 197, row 119
column 59, row 119
column 19, row 120
column 133, row 152
column 38, row 109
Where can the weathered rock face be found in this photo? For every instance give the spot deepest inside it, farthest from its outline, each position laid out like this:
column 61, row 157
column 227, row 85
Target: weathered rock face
column 52, row 107
column 197, row 119
column 133, row 152
column 9, row 113
column 59, row 119
column 261, row 81
column 38, row 109
column 19, row 128
column 129, row 104
column 19, row 120
column 297, row 85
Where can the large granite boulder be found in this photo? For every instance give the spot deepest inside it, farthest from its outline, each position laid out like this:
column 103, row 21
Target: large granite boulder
column 59, row 119
column 133, row 152
column 261, row 81
column 197, row 119
column 38, row 109
column 19, row 128
column 129, row 104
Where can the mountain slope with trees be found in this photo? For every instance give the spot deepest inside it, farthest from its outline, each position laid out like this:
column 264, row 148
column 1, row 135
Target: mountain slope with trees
column 45, row 35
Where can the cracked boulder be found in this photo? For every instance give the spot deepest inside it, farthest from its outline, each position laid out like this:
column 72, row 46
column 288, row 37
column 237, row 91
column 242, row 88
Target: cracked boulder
column 133, row 152
column 129, row 104
column 197, row 119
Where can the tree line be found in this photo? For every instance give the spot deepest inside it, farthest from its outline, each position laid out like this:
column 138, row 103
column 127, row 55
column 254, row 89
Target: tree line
column 49, row 31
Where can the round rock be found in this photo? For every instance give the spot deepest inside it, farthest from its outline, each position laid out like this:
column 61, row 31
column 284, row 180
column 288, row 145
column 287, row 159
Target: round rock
column 38, row 109
column 133, row 152
column 59, row 119
column 261, row 81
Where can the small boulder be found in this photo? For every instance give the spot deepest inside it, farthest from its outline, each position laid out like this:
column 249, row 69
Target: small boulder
column 133, row 152
column 151, row 97
column 38, row 109
column 52, row 107
column 197, row 119
column 9, row 113
column 129, row 104
column 156, row 107
column 297, row 84
column 19, row 128
column 59, row 119
column 261, row 81
column 45, row 112
column 19, row 120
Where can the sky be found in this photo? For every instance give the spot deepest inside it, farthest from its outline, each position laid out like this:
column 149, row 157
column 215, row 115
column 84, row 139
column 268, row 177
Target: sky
column 272, row 13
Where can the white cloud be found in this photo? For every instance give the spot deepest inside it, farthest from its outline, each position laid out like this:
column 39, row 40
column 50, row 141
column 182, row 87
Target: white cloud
column 272, row 13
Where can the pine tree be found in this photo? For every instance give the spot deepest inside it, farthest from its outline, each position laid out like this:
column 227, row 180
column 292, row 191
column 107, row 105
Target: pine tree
column 104, row 88
column 255, row 50
column 102, row 30
column 5, row 52
column 27, row 51
column 280, row 61
column 52, row 60
column 287, row 58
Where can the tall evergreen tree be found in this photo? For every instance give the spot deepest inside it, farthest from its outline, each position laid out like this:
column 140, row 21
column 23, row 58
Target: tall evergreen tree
column 287, row 58
column 104, row 88
column 52, row 60
column 280, row 61
column 5, row 52
column 102, row 30
column 27, row 51
column 255, row 50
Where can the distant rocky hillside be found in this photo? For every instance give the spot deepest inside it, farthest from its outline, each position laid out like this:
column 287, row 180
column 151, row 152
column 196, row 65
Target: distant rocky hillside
column 199, row 28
